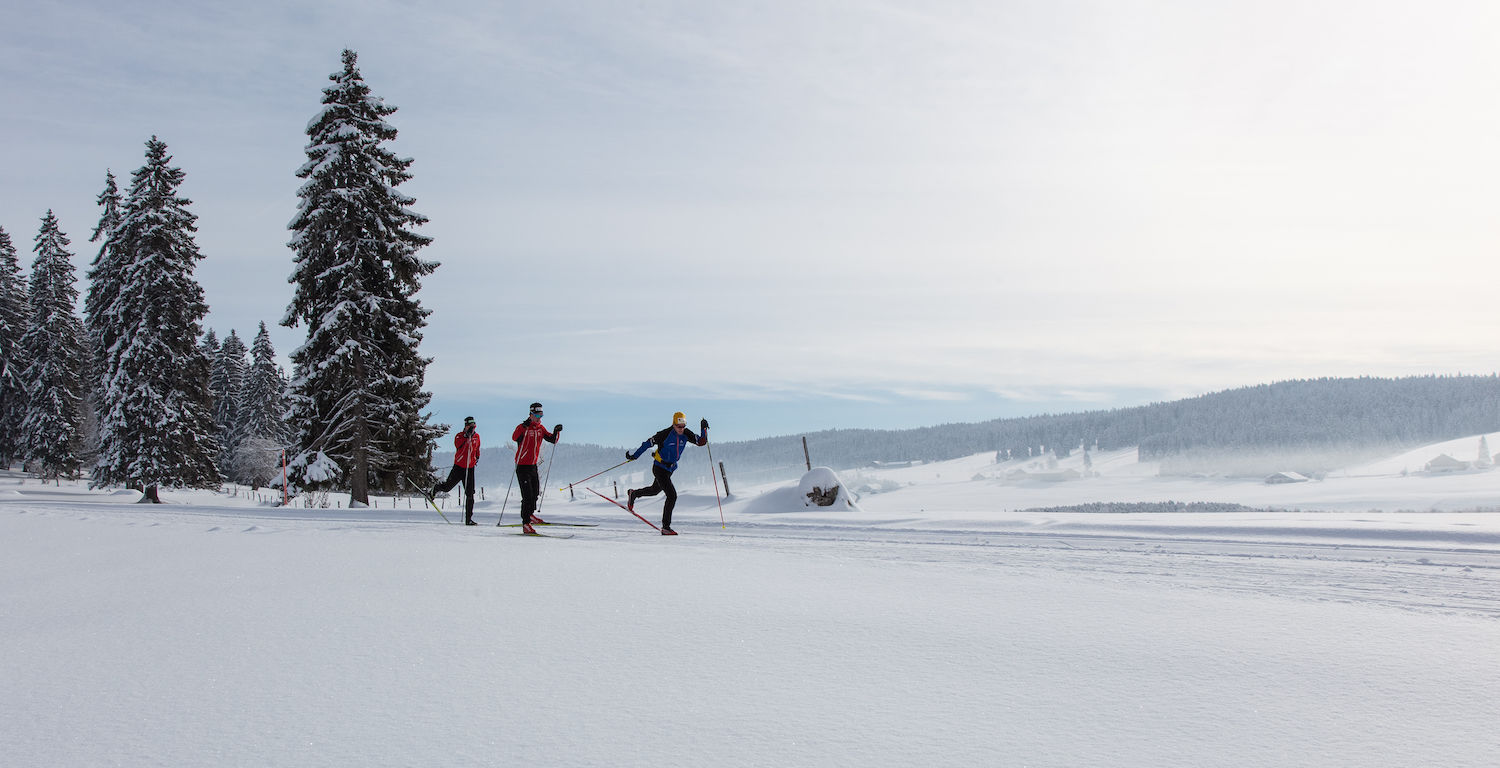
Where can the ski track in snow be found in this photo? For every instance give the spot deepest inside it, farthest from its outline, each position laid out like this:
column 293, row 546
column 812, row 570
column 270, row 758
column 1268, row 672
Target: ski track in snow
column 1437, row 579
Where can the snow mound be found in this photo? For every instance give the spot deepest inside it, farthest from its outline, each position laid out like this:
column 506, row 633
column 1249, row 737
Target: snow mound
column 818, row 489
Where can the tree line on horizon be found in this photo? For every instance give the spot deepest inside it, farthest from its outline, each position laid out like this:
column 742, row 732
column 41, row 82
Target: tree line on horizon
column 1319, row 420
column 1308, row 425
column 139, row 394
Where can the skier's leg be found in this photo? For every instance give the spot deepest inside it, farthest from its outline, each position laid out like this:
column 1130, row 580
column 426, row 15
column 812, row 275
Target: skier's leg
column 655, row 487
column 671, row 490
column 469, row 496
column 530, row 484
column 455, row 476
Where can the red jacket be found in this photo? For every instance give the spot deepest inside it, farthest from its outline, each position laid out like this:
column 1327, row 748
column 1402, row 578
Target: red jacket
column 466, row 449
column 529, row 436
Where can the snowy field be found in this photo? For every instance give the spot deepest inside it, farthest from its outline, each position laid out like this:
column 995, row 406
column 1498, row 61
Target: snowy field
column 937, row 623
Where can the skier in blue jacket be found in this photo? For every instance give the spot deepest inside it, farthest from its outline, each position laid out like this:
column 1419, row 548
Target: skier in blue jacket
column 670, row 443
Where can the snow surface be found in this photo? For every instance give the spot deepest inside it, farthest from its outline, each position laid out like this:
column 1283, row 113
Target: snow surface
column 937, row 623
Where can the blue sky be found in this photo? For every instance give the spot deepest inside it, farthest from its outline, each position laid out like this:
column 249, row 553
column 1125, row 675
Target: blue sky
column 796, row 216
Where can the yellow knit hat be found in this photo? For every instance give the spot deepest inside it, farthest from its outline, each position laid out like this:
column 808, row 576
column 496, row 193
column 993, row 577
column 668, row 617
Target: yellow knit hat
column 679, row 418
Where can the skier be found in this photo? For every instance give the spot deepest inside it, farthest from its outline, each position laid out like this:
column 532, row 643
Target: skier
column 529, row 435
column 670, row 443
column 465, row 456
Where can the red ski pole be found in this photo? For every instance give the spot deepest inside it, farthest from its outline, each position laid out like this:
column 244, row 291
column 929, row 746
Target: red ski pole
column 622, row 506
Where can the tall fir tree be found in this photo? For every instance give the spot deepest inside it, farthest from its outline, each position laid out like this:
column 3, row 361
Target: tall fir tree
column 264, row 405
column 157, row 428
column 57, row 356
column 105, row 271
column 226, row 383
column 210, row 346
column 104, row 285
column 14, row 314
column 263, row 435
column 357, row 396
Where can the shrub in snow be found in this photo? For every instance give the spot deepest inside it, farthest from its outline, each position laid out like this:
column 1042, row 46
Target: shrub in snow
column 313, row 468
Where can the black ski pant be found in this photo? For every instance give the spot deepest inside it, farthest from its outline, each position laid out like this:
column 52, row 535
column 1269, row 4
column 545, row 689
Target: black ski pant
column 531, row 487
column 458, row 475
column 663, row 484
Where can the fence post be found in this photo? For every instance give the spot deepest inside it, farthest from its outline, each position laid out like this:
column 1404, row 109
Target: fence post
column 805, row 455
column 724, row 475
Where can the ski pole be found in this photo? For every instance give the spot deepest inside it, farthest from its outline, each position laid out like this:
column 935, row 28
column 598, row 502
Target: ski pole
column 596, row 474
column 507, row 490
column 549, row 475
column 716, row 483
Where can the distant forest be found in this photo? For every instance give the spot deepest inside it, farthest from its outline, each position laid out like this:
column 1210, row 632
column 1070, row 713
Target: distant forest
column 1347, row 418
column 1307, row 425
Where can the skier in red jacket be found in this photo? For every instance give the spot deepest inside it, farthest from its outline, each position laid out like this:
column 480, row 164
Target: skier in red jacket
column 529, row 435
column 465, row 456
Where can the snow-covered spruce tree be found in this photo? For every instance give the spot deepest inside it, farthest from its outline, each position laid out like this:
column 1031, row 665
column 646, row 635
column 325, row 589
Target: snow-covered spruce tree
column 13, row 317
column 256, row 456
column 264, row 405
column 104, row 285
column 57, row 356
column 226, row 383
column 357, row 394
column 105, row 271
column 157, row 427
column 210, row 346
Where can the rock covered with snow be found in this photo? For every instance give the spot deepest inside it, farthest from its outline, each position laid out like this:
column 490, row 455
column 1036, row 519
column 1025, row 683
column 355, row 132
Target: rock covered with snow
column 822, row 488
column 819, row 489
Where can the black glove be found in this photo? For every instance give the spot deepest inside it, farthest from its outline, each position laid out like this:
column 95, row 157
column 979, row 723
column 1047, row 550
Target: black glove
column 557, row 429
column 628, row 457
column 703, row 424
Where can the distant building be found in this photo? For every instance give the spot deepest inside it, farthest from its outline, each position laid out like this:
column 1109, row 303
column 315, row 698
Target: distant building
column 1281, row 478
column 1446, row 463
column 1016, row 476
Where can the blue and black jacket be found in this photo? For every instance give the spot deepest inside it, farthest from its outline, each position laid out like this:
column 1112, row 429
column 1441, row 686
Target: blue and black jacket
column 669, row 446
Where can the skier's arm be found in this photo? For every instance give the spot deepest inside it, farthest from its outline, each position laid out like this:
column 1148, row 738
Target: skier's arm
column 552, row 436
column 646, row 446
